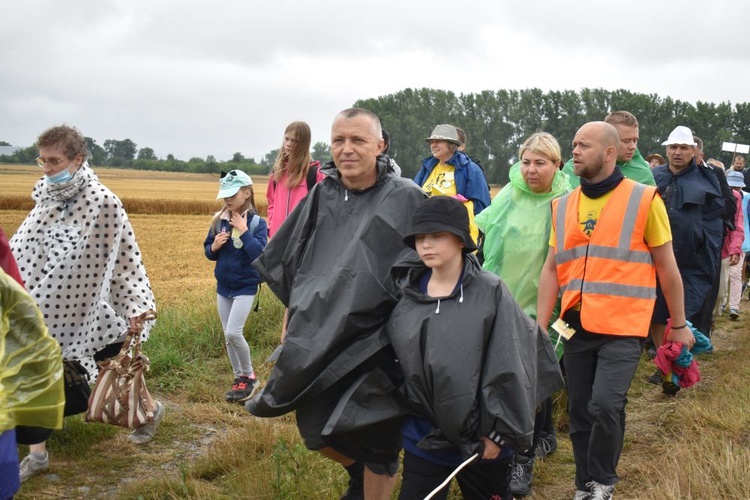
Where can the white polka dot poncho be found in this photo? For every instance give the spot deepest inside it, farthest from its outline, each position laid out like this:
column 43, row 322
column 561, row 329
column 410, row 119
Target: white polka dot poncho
column 78, row 257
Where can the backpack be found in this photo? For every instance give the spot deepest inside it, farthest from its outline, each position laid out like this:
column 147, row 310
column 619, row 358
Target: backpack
column 310, row 180
column 252, row 227
column 312, row 176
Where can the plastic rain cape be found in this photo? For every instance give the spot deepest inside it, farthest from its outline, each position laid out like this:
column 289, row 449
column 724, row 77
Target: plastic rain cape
column 516, row 227
column 31, row 376
column 330, row 263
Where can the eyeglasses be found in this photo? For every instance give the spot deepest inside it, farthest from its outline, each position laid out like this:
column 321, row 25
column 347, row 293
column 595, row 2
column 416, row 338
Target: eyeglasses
column 52, row 162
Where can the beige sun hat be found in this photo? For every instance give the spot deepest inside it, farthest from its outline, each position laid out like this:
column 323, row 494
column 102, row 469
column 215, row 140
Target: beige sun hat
column 446, row 133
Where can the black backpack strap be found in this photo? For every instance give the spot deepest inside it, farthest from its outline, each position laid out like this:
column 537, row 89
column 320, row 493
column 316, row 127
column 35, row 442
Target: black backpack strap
column 257, row 299
column 312, row 176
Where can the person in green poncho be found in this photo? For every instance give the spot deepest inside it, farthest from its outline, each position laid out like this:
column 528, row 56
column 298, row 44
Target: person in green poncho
column 629, row 159
column 31, row 376
column 517, row 227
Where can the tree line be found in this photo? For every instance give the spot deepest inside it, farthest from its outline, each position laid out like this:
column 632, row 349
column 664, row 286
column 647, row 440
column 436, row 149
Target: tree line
column 497, row 122
column 126, row 154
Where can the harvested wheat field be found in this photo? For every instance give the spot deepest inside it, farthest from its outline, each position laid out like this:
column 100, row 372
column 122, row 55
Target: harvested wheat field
column 693, row 446
column 142, row 192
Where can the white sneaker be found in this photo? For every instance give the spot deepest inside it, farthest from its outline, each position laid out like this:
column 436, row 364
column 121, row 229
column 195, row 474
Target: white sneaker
column 143, row 435
column 581, row 495
column 600, row 491
column 32, row 464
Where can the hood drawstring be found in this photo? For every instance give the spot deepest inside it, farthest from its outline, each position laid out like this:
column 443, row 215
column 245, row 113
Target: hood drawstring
column 460, row 299
column 346, row 195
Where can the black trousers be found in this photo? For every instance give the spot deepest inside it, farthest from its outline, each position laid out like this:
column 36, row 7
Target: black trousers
column 479, row 481
column 599, row 369
column 703, row 319
column 542, row 423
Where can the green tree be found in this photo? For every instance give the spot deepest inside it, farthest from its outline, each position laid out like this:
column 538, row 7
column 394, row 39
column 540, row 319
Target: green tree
column 98, row 156
column 270, row 158
column 146, row 154
column 321, row 152
column 119, row 152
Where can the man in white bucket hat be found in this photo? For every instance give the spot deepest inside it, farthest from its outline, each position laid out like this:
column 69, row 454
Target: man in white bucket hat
column 695, row 205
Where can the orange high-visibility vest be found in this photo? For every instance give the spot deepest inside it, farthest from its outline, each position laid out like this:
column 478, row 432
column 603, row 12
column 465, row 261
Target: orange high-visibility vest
column 611, row 273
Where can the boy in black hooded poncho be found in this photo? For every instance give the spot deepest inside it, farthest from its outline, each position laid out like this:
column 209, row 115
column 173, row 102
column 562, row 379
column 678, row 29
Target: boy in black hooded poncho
column 475, row 365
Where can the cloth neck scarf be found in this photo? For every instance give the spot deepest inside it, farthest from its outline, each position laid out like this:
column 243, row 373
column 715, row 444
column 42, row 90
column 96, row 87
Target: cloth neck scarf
column 601, row 188
column 66, row 190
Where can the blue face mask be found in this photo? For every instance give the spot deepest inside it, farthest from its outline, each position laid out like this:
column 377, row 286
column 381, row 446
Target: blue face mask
column 63, row 175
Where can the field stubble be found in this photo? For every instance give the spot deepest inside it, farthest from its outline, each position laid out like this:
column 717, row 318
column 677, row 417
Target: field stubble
column 693, row 446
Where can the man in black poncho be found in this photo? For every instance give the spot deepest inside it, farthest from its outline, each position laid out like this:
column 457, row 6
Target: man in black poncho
column 330, row 264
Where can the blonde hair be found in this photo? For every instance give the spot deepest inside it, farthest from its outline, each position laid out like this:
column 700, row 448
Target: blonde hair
column 249, row 207
column 542, row 143
column 296, row 164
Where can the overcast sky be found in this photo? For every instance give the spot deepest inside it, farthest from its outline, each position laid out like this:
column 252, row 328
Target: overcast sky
column 194, row 78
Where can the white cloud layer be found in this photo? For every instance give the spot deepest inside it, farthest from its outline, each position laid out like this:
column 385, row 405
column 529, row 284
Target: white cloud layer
column 194, row 78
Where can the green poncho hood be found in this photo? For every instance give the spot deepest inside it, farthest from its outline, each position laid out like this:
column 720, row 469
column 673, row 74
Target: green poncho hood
column 516, row 227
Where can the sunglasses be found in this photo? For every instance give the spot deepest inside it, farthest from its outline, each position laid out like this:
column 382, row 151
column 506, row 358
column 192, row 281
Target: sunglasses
column 229, row 175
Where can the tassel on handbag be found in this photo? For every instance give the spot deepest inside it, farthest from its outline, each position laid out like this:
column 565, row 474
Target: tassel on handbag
column 120, row 396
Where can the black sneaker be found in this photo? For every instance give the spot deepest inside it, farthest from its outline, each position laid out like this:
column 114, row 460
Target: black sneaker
column 242, row 390
column 670, row 388
column 521, row 474
column 547, row 444
column 656, row 378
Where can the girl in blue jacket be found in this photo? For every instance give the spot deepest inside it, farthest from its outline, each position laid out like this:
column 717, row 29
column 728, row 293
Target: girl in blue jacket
column 235, row 239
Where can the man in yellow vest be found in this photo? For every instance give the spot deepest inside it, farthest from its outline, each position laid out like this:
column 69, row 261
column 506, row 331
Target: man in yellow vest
column 610, row 239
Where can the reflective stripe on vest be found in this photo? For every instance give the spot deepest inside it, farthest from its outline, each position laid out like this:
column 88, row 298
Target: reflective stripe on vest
column 637, row 292
column 622, row 252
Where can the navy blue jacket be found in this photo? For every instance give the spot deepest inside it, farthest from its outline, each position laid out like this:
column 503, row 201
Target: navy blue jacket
column 695, row 206
column 470, row 180
column 234, row 273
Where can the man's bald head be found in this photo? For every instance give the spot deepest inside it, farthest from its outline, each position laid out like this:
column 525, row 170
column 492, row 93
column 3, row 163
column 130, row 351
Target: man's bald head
column 595, row 151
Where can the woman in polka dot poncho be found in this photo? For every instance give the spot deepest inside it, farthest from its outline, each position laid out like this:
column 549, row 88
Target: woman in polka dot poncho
column 78, row 256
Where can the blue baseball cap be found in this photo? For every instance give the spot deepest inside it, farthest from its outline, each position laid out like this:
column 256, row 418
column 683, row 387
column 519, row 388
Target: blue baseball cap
column 231, row 182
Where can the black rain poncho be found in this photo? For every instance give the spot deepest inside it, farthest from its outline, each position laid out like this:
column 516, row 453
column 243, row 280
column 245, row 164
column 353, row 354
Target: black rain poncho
column 330, row 264
column 479, row 364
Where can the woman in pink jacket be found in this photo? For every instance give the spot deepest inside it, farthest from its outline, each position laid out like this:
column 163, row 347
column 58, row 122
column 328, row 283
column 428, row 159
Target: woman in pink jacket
column 736, row 256
column 730, row 285
column 292, row 176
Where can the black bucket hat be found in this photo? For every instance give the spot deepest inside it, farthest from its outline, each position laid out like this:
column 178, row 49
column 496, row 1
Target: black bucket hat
column 441, row 214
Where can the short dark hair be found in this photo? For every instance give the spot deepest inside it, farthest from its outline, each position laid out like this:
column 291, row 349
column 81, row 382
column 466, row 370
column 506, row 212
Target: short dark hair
column 386, row 141
column 352, row 112
column 461, row 135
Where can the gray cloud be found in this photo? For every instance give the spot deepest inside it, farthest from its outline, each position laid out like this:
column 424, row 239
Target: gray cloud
column 192, row 78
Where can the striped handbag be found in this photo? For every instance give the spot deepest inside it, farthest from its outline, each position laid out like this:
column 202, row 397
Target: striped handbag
column 120, row 396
